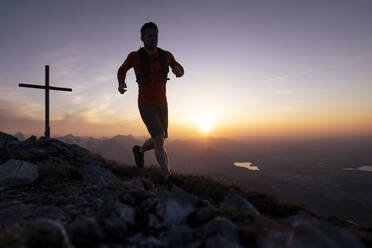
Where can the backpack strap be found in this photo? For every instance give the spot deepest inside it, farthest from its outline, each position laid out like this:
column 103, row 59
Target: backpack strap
column 164, row 64
column 144, row 68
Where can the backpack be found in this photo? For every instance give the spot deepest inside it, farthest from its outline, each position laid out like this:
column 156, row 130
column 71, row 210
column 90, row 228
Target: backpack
column 144, row 68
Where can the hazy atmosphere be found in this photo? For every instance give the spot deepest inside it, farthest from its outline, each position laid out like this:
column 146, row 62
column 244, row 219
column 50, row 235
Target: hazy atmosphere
column 269, row 142
column 252, row 68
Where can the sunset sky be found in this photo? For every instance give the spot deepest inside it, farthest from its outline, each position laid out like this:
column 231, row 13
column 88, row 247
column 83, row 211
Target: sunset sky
column 253, row 68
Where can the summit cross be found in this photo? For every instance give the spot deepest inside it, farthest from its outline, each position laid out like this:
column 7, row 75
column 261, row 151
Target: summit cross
column 47, row 88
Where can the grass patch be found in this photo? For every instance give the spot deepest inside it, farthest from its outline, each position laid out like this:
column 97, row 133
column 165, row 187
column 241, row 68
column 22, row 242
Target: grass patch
column 120, row 186
column 52, row 173
column 237, row 216
column 251, row 233
column 152, row 173
column 268, row 205
column 213, row 188
column 208, row 187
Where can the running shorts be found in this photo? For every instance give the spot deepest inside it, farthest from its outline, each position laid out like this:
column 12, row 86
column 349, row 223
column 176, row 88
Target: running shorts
column 155, row 119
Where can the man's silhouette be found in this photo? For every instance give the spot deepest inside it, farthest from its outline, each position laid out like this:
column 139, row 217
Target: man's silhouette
column 151, row 66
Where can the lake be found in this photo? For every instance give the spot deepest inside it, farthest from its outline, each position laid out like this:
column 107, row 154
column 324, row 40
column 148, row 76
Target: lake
column 247, row 165
column 362, row 168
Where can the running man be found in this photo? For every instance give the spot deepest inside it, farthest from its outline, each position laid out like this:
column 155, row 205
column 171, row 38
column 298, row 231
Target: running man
column 151, row 66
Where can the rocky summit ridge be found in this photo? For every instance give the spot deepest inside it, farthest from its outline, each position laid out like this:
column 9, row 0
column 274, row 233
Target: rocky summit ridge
column 54, row 194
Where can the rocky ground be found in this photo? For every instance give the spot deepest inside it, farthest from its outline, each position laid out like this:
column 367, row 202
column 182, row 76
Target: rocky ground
column 57, row 195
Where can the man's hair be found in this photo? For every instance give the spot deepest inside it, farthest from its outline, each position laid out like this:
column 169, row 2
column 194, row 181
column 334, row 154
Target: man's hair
column 148, row 25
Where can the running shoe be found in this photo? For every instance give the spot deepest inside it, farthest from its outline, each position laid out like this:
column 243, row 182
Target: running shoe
column 138, row 156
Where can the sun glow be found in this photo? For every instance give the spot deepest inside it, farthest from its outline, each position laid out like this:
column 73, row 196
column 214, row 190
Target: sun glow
column 205, row 122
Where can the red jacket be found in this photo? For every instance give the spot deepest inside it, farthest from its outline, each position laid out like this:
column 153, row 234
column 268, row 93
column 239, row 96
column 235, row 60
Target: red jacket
column 153, row 92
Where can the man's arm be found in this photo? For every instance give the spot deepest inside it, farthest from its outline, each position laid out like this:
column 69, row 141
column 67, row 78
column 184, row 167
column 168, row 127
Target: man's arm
column 177, row 68
column 122, row 72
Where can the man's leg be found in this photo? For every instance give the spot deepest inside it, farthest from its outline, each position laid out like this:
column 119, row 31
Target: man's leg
column 161, row 155
column 148, row 145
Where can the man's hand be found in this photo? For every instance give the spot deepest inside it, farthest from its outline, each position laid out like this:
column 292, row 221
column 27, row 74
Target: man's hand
column 177, row 71
column 122, row 88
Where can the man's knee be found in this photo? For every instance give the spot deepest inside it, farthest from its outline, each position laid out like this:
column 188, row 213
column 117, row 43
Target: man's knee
column 159, row 139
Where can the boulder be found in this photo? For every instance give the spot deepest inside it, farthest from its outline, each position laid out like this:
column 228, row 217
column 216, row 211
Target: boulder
column 179, row 236
column 204, row 212
column 85, row 232
column 154, row 222
column 300, row 217
column 320, row 234
column 47, row 233
column 313, row 233
column 140, row 240
column 274, row 240
column 220, row 226
column 92, row 172
column 236, row 199
column 175, row 207
column 125, row 212
column 50, row 212
column 220, row 241
column 135, row 197
column 6, row 139
column 136, row 183
column 16, row 172
column 115, row 227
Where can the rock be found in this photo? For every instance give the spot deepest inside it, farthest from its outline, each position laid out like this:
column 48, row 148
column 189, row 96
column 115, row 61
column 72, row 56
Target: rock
column 275, row 240
column 16, row 172
column 125, row 212
column 55, row 151
column 205, row 211
column 147, row 242
column 179, row 236
column 4, row 156
column 47, row 233
column 175, row 207
column 300, row 217
column 13, row 214
column 154, row 222
column 312, row 234
column 318, row 234
column 20, row 136
column 152, row 242
column 50, row 212
column 30, row 141
column 136, row 183
column 94, row 173
column 115, row 227
column 220, row 242
column 135, row 197
column 236, row 199
column 85, row 232
column 220, row 226
column 7, row 142
column 6, row 139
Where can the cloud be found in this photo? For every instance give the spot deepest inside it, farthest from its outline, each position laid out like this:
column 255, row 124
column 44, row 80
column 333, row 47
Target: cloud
column 287, row 108
column 279, row 92
column 345, row 63
column 297, row 74
column 14, row 118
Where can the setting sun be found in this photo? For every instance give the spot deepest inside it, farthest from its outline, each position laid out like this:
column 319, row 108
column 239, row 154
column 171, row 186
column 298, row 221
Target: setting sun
column 205, row 122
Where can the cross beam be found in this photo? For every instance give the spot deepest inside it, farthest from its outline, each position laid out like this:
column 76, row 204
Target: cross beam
column 43, row 87
column 47, row 88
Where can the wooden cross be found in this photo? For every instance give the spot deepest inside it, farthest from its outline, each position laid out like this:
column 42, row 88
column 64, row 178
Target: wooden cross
column 47, row 88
